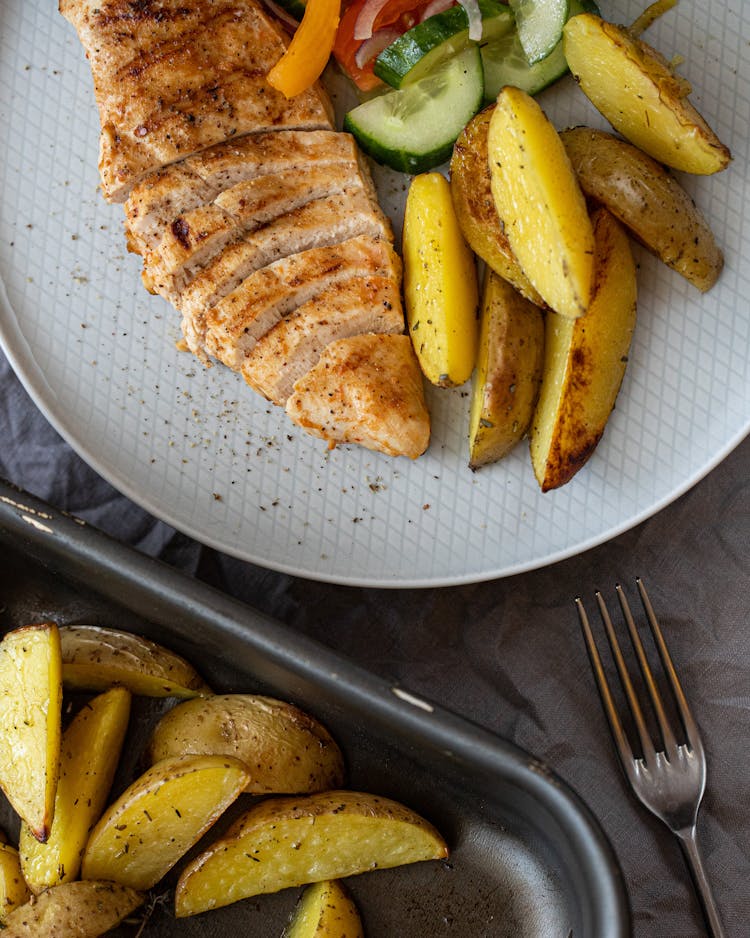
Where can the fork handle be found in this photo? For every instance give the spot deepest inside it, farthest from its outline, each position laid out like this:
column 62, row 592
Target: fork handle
column 689, row 844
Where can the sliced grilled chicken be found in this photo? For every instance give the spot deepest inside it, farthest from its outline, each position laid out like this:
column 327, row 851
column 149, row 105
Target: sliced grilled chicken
column 192, row 239
column 271, row 293
column 212, row 282
column 115, row 33
column 253, row 216
column 242, row 317
column 367, row 390
column 173, row 77
column 275, row 152
column 158, row 199
column 294, row 345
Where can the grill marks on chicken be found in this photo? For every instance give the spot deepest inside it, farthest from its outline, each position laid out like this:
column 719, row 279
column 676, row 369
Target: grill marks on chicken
column 199, row 179
column 173, row 77
column 237, row 322
column 279, row 214
column 288, row 351
column 253, row 217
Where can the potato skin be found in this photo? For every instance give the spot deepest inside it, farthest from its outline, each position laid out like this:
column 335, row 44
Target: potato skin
column 13, row 888
column 90, row 750
column 86, row 909
column 584, row 362
column 648, row 200
column 299, row 840
column 159, row 817
column 96, row 658
column 508, row 372
column 440, row 284
column 286, row 750
column 475, row 207
column 631, row 84
column 31, row 701
column 326, row 910
column 539, row 202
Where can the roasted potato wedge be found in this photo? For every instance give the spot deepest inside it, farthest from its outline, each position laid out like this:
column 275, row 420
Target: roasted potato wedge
column 84, row 909
column 96, row 658
column 540, row 204
column 648, row 200
column 632, row 85
column 508, row 372
column 584, row 362
column 159, row 817
column 285, row 750
column 475, row 207
column 440, row 284
column 326, row 910
column 31, row 697
column 285, row 842
column 90, row 750
column 13, row 888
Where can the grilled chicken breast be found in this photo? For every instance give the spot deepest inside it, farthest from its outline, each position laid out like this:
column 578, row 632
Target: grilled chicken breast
column 246, row 314
column 366, row 389
column 173, row 77
column 254, row 218
column 350, row 307
column 163, row 196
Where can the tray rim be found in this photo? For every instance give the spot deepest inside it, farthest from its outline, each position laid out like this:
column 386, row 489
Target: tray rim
column 71, row 546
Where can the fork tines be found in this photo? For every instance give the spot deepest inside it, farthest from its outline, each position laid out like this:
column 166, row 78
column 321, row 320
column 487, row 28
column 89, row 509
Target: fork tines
column 669, row 743
column 669, row 781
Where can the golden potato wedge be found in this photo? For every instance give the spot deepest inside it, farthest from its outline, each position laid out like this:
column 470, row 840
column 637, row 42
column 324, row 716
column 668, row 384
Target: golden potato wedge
column 285, row 750
column 326, row 910
column 632, row 85
column 84, row 909
column 285, row 842
column 159, row 817
column 89, row 753
column 648, row 200
column 584, row 362
column 31, row 699
column 440, row 284
column 540, row 203
column 96, row 658
column 13, row 888
column 475, row 207
column 508, row 372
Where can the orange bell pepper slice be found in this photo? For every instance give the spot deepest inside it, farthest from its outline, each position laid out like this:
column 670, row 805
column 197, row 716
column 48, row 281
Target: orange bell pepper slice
column 308, row 53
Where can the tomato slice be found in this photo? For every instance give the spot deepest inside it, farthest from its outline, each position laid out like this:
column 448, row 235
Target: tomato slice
column 400, row 15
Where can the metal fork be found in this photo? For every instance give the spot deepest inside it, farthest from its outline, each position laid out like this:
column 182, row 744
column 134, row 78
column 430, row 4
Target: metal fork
column 669, row 781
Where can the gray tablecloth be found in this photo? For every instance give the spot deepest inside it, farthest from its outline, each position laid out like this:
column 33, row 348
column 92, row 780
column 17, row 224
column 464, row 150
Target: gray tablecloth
column 509, row 653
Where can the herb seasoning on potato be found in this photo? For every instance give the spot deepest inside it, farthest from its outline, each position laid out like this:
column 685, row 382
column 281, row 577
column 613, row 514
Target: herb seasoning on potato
column 635, row 88
column 440, row 284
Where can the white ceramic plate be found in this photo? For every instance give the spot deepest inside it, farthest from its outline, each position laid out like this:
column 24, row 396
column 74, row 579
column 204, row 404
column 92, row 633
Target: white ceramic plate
column 197, row 448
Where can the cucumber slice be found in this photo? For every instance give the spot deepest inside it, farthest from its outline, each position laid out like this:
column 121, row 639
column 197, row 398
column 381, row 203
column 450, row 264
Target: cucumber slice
column 295, row 8
column 421, row 49
column 540, row 25
column 414, row 129
column 505, row 63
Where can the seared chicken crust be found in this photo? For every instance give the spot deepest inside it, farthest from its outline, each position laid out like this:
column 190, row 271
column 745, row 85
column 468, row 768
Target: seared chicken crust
column 367, row 390
column 172, row 77
column 253, row 216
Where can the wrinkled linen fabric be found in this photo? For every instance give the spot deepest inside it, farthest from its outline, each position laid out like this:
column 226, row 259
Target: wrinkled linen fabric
column 509, row 653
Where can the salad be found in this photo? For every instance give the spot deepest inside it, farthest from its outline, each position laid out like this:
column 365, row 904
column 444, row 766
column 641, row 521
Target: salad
column 425, row 67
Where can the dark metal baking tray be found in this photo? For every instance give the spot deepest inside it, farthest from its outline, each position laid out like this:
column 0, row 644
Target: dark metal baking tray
column 527, row 857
